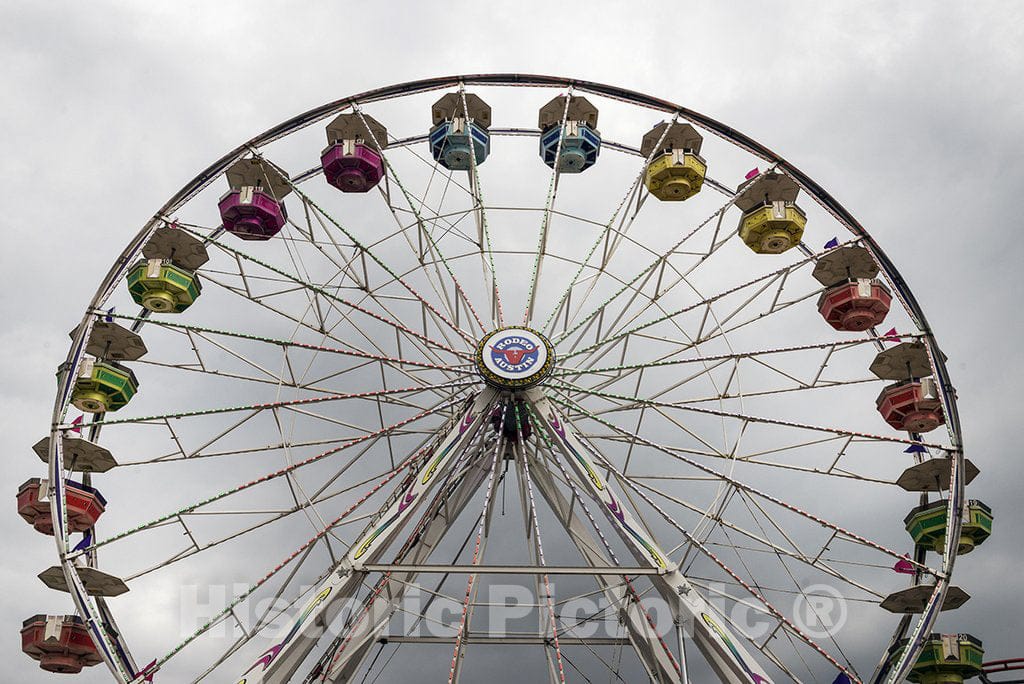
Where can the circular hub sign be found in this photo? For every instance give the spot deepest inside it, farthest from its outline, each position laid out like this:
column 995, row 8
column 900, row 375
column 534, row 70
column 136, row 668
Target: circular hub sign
column 514, row 358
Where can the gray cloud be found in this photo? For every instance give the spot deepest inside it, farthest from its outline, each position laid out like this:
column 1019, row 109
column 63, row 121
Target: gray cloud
column 908, row 113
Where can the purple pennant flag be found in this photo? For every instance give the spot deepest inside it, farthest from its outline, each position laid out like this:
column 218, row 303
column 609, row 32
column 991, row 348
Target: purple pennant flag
column 85, row 543
column 834, row 242
column 109, row 317
column 904, row 567
column 843, row 678
column 916, row 449
column 752, row 173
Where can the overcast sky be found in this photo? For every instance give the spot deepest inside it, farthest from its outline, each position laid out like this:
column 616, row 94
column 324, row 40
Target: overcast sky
column 908, row 112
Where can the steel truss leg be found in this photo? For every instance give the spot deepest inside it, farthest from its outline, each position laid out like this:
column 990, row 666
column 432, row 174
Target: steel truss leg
column 279, row 663
column 723, row 650
column 652, row 652
column 445, row 508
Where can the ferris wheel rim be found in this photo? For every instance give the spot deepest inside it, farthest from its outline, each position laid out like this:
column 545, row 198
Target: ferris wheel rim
column 426, row 85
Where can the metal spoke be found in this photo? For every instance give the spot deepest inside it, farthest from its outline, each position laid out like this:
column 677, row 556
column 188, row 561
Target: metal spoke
column 603, row 236
column 546, row 218
column 434, row 247
column 279, row 473
column 739, row 485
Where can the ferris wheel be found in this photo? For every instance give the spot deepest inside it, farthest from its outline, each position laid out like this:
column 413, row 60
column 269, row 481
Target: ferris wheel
column 506, row 376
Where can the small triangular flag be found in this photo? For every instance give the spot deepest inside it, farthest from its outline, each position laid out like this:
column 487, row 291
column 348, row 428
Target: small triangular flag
column 76, row 424
column 86, row 541
column 109, row 318
column 752, row 173
column 147, row 672
column 834, row 242
column 843, row 678
column 905, row 567
column 891, row 335
column 916, row 449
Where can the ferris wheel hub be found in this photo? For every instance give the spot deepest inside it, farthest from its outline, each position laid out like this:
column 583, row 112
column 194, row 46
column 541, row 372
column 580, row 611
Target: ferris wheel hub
column 514, row 358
